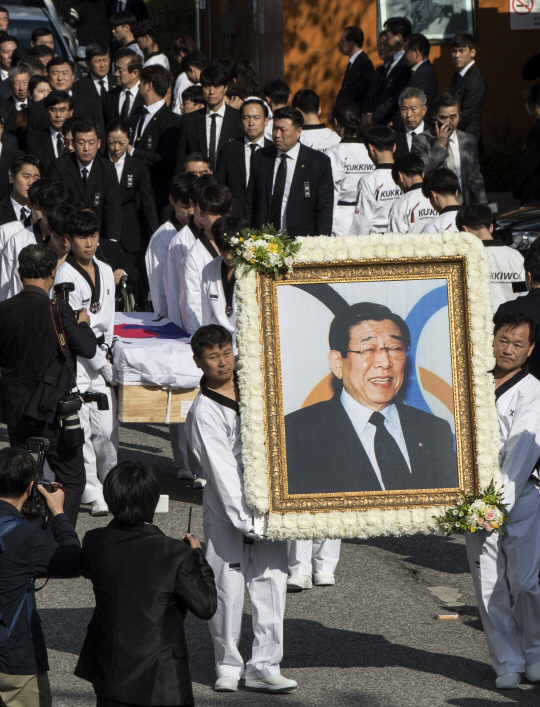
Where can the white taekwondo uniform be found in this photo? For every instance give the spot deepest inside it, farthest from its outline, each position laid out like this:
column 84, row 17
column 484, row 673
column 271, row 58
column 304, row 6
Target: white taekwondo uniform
column 350, row 162
column 218, row 301
column 9, row 229
column 10, row 282
column 445, row 221
column 100, row 426
column 213, row 432
column 506, row 267
column 156, row 253
column 377, row 192
column 180, row 244
column 202, row 253
column 411, row 212
column 319, row 137
column 308, row 556
column 505, row 567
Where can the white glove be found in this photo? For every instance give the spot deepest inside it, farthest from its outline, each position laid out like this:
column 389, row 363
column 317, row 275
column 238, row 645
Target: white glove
column 107, row 373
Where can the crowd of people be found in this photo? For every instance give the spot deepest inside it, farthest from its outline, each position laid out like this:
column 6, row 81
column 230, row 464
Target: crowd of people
column 130, row 178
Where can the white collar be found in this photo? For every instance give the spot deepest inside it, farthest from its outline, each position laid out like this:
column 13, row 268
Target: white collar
column 259, row 142
column 414, row 68
column 464, row 71
column 103, row 78
column 397, row 56
column 355, row 56
column 220, row 112
column 20, row 103
column 85, row 166
column 292, row 153
column 121, row 160
column 361, row 414
column 133, row 90
column 153, row 109
column 418, row 130
column 54, row 132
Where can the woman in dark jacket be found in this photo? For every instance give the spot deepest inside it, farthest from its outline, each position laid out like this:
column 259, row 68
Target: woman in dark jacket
column 527, row 176
column 144, row 582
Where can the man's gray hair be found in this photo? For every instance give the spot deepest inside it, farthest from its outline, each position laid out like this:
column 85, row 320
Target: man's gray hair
column 19, row 70
column 413, row 92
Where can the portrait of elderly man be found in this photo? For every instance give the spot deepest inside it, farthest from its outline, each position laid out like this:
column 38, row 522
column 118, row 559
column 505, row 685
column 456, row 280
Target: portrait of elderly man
column 365, row 438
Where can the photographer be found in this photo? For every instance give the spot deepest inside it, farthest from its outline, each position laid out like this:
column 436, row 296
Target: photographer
column 28, row 552
column 37, row 374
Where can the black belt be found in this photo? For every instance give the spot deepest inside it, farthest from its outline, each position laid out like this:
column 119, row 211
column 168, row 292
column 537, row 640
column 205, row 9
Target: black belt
column 346, row 203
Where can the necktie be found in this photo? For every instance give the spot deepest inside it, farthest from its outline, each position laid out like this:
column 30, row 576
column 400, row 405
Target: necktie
column 23, row 105
column 279, row 191
column 252, row 147
column 59, row 144
column 84, row 176
column 125, row 106
column 23, row 213
column 102, row 90
column 392, row 465
column 145, row 112
column 451, row 164
column 212, row 148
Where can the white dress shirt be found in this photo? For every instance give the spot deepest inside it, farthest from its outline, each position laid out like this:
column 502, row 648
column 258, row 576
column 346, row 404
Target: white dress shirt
column 3, row 74
column 21, row 104
column 292, row 156
column 453, row 145
column 119, row 166
column 359, row 416
column 415, row 68
column 182, row 82
column 219, row 124
column 147, row 117
column 54, row 138
column 247, row 153
column 416, row 131
column 466, row 68
column 85, row 166
column 105, row 79
column 134, row 91
column 355, row 56
column 17, row 208
column 397, row 56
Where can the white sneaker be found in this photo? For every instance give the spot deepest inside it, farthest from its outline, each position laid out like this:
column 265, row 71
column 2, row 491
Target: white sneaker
column 508, row 681
column 273, row 683
column 185, row 474
column 226, row 685
column 100, row 508
column 533, row 672
column 199, row 483
column 321, row 579
column 296, row 584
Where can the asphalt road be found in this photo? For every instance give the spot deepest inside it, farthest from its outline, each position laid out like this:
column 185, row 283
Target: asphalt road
column 370, row 641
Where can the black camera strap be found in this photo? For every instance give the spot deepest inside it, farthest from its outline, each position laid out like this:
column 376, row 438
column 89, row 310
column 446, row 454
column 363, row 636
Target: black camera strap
column 61, row 337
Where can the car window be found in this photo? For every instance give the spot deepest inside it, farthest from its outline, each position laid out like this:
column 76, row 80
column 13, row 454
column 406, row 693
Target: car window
column 22, row 30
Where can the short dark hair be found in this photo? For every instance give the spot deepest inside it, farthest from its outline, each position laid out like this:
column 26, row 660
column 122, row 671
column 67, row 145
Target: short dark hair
column 225, row 63
column 3, row 9
column 463, row 39
column 160, row 78
column 475, row 217
column 340, row 329
column 512, row 321
column 183, row 45
column 123, row 18
column 532, row 94
column 53, row 194
column 8, row 38
column 33, row 65
column 179, row 187
column 81, row 223
column 60, row 61
column 446, row 100
column 37, row 262
column 41, row 50
column 307, row 101
column 54, row 98
column 135, row 62
column 196, row 157
column 216, row 199
column 412, row 165
column 214, row 76
column 288, row 113
column 34, row 190
column 117, row 125
column 532, row 262
column 193, row 94
column 278, row 91
column 96, row 49
column 419, row 43
column 197, row 186
column 208, row 337
column 69, row 125
column 442, row 181
column 380, row 137
column 347, row 114
column 148, row 27
column 227, row 226
column 131, row 492
column 354, row 34
column 19, row 56
column 86, row 126
column 57, row 216
column 258, row 102
column 17, row 469
column 196, row 59
column 18, row 163
column 399, row 25
column 41, row 32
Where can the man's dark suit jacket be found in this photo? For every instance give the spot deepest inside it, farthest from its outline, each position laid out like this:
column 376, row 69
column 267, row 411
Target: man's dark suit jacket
column 87, row 87
column 434, row 157
column 231, row 169
column 193, row 133
column 6, row 211
column 402, row 146
column 6, row 158
column 528, row 304
column 112, row 111
column 136, row 7
column 144, row 582
column 87, row 108
column 102, row 191
column 139, row 215
column 357, row 80
column 157, row 147
column 41, row 146
column 310, row 203
column 471, row 90
column 526, row 185
column 325, row 455
column 8, row 140
column 382, row 99
column 10, row 122
column 425, row 78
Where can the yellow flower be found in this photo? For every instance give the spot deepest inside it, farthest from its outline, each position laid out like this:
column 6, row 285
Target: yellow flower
column 472, row 529
column 241, row 239
column 273, row 248
column 252, row 260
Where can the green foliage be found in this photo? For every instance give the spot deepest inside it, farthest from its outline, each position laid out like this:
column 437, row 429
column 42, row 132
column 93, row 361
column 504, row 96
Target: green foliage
column 177, row 18
column 269, row 250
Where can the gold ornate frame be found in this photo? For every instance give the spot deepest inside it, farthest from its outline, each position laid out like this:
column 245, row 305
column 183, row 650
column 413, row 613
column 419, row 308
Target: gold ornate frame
column 453, row 269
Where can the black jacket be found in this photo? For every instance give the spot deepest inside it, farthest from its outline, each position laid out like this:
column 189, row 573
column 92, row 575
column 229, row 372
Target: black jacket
column 84, row 107
column 35, row 374
column 102, row 191
column 231, row 169
column 471, row 90
column 112, row 111
column 530, row 305
column 41, row 146
column 325, row 455
column 357, row 80
column 7, row 214
column 382, row 99
column 10, row 122
column 425, row 78
column 311, row 199
column 31, row 552
column 402, row 146
column 157, row 147
column 6, row 158
column 193, row 133
column 144, row 583
column 87, row 87
column 526, row 185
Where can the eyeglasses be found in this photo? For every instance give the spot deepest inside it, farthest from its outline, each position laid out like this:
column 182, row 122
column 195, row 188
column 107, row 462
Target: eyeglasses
column 395, row 353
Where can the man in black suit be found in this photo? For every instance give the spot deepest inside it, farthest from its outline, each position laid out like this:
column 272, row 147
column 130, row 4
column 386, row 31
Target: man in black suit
column 125, row 98
column 413, row 108
column 469, row 84
column 236, row 157
column 48, row 144
column 359, row 72
column 91, row 177
column 18, row 80
column 446, row 146
column 366, row 439
column 61, row 74
column 136, row 7
column 423, row 74
column 291, row 185
column 99, row 81
column 207, row 130
column 155, row 131
column 8, row 152
column 24, row 172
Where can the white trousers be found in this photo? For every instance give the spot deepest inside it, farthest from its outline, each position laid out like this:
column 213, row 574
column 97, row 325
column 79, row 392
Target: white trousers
column 307, row 556
column 100, row 448
column 342, row 220
column 262, row 569
column 179, row 445
column 505, row 575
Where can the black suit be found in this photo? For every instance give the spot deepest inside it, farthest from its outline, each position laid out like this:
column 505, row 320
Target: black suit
column 471, row 90
column 530, row 305
column 10, row 122
column 139, row 215
column 402, row 146
column 357, row 80
column 10, row 141
column 41, row 146
column 382, row 99
column 232, row 168
column 5, row 89
column 193, row 133
column 136, row 7
column 7, row 214
column 84, row 107
column 102, row 191
column 157, row 147
column 526, row 185
column 325, row 454
column 112, row 111
column 311, row 200
column 144, row 583
column 6, row 158
column 425, row 78
column 87, row 87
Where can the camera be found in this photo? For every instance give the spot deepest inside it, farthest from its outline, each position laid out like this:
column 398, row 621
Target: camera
column 35, row 504
column 63, row 289
column 70, row 422
column 99, row 398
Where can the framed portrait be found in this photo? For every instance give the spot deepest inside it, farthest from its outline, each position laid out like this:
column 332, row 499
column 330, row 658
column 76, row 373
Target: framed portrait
column 438, row 21
column 363, row 379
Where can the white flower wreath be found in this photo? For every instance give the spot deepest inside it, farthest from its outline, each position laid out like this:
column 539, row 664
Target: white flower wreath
column 363, row 524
